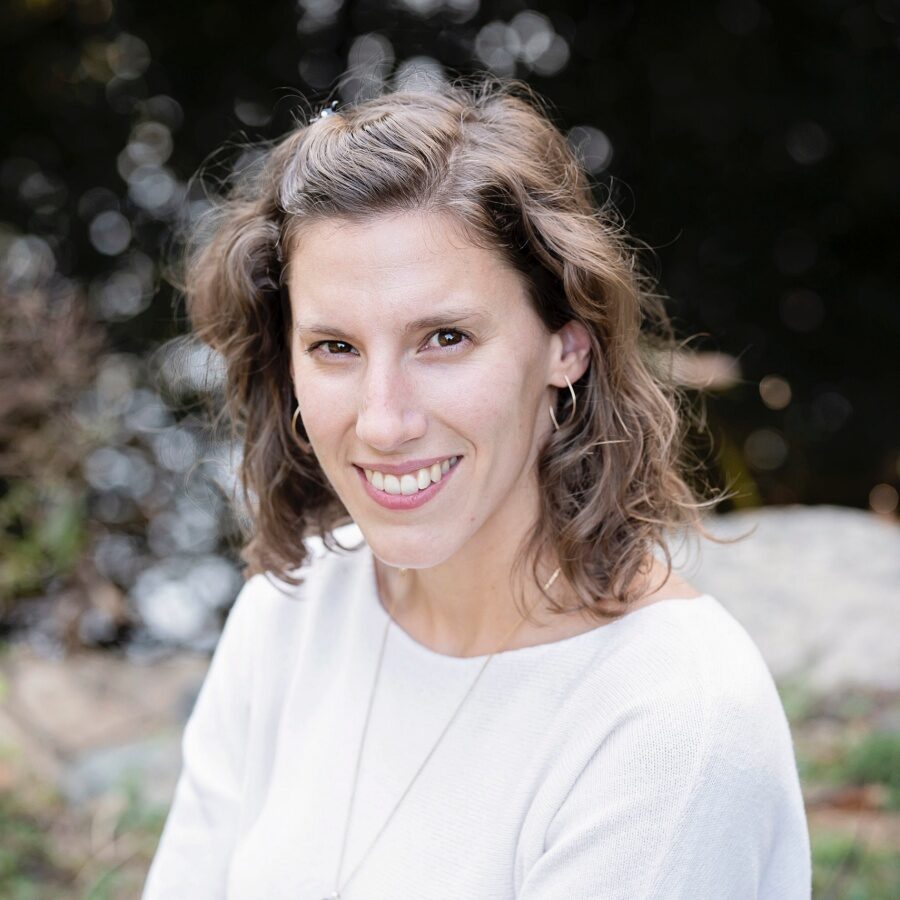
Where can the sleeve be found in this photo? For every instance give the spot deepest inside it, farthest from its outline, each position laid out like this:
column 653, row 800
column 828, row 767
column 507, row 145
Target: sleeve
column 681, row 804
column 192, row 857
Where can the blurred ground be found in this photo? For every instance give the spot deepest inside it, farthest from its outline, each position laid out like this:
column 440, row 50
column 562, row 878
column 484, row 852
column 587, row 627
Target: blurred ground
column 89, row 746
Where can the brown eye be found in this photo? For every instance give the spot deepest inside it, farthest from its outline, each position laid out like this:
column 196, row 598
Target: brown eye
column 449, row 333
column 330, row 345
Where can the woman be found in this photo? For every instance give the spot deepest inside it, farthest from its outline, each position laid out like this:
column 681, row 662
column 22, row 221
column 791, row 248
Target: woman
column 457, row 669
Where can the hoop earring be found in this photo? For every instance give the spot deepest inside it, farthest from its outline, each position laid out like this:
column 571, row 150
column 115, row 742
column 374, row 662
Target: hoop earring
column 305, row 446
column 574, row 404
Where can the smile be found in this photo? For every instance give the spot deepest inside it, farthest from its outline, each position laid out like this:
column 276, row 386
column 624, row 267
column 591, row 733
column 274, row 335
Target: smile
column 411, row 482
column 410, row 490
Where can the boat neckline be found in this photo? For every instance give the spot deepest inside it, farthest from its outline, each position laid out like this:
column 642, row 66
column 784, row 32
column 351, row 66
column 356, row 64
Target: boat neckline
column 600, row 632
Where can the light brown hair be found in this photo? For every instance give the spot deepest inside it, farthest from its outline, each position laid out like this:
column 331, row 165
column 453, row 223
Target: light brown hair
column 615, row 479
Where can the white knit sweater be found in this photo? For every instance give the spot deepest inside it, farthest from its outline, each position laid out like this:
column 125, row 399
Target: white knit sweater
column 647, row 758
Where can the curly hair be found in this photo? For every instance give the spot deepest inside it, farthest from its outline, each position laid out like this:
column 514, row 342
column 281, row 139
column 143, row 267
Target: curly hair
column 614, row 479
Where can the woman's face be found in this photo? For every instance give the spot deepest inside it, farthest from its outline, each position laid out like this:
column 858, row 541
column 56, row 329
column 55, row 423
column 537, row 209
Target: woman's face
column 411, row 346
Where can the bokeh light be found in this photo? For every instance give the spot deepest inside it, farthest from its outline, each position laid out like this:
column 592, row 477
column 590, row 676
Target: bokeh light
column 775, row 391
column 802, row 310
column 807, row 143
column 766, row 449
column 883, row 498
column 593, row 147
column 128, row 56
column 110, row 233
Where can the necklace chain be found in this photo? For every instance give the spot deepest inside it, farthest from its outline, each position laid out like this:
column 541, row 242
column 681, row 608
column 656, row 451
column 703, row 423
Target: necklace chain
column 337, row 893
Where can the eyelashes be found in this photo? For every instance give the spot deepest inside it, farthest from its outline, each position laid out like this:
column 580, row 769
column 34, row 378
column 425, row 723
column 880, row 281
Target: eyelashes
column 314, row 349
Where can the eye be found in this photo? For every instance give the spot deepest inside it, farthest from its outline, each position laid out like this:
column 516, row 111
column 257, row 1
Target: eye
column 341, row 352
column 444, row 332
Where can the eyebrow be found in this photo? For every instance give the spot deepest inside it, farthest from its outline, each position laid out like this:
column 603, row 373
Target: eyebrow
column 433, row 321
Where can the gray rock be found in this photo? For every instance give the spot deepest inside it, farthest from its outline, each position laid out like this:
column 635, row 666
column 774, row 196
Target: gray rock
column 818, row 588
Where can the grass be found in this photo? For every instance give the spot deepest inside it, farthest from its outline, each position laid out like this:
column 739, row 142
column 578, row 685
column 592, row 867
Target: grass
column 28, row 869
column 844, row 750
column 845, row 869
column 875, row 760
column 52, row 852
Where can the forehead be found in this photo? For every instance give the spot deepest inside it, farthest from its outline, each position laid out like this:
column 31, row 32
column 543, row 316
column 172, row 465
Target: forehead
column 395, row 265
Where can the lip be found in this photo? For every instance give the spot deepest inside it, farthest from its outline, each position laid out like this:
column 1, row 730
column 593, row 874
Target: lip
column 406, row 501
column 405, row 468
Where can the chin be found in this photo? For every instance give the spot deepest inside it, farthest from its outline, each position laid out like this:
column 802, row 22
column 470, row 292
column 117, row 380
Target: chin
column 407, row 552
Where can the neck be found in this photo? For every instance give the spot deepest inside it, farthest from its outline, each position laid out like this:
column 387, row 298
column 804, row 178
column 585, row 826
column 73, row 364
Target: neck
column 456, row 628
column 469, row 604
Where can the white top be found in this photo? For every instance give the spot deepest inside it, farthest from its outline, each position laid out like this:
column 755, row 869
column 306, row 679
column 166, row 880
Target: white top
column 649, row 757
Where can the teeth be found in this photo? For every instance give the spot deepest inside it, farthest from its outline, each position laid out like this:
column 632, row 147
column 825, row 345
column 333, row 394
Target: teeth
column 412, row 482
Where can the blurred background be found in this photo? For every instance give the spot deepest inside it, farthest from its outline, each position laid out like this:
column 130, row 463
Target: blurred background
column 753, row 149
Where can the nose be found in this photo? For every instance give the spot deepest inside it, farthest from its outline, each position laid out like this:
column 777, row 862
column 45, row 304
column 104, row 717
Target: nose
column 389, row 415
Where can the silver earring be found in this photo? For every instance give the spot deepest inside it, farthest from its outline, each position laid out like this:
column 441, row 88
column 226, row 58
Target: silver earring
column 574, row 404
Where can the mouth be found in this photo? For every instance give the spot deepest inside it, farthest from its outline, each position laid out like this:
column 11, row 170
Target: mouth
column 410, row 490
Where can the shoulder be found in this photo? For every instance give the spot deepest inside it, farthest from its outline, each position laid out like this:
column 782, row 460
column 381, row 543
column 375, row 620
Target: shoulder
column 681, row 722
column 279, row 607
column 723, row 751
column 717, row 714
column 267, row 588
column 275, row 626
column 698, row 640
column 687, row 672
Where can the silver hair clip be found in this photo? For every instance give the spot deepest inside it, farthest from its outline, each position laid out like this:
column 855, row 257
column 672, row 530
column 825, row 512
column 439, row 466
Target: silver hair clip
column 324, row 112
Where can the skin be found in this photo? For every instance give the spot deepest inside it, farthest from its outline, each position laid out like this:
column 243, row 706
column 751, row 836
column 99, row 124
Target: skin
column 479, row 388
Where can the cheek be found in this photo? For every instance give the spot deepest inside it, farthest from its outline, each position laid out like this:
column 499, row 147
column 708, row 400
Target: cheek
column 324, row 414
column 325, row 405
column 482, row 400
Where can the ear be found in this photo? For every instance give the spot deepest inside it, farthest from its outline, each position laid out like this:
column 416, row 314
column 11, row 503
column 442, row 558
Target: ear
column 571, row 354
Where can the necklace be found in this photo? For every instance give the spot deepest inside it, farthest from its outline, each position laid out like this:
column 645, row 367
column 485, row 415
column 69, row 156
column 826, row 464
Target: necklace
column 337, row 891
